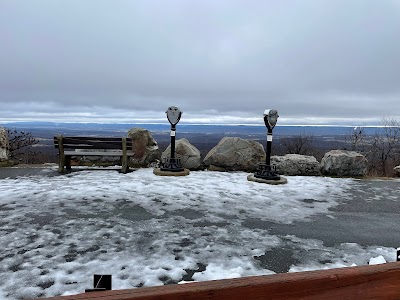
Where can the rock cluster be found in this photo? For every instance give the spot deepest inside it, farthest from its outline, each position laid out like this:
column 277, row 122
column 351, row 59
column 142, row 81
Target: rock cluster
column 235, row 154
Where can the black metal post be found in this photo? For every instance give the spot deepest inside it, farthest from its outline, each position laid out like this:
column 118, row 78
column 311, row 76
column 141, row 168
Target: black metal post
column 269, row 146
column 172, row 164
column 173, row 131
column 265, row 170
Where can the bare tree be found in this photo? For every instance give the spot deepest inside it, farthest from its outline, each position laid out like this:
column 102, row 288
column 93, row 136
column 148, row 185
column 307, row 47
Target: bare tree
column 385, row 145
column 300, row 144
column 358, row 140
column 21, row 145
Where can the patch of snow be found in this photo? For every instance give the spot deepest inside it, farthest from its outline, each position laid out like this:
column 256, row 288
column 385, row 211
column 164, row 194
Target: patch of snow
column 145, row 230
column 217, row 271
column 377, row 260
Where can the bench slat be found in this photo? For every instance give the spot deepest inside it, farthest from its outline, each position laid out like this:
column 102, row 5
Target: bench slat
column 86, row 146
column 92, row 146
column 68, row 140
column 78, row 143
column 88, row 138
column 95, row 153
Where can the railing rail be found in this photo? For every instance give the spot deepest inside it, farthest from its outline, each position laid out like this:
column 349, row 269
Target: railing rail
column 364, row 282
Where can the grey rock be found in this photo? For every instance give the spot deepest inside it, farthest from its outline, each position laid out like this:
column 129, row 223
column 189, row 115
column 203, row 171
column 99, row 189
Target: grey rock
column 343, row 163
column 397, row 171
column 189, row 154
column 4, row 145
column 145, row 148
column 296, row 164
column 235, row 154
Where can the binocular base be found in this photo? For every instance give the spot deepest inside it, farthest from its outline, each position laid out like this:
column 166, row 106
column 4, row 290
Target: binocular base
column 281, row 180
column 159, row 172
column 171, row 165
column 265, row 172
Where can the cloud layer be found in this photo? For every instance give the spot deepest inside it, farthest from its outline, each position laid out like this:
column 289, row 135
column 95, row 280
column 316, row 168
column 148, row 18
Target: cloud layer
column 219, row 61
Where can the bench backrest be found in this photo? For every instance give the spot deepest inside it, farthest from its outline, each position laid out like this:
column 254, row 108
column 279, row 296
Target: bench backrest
column 80, row 142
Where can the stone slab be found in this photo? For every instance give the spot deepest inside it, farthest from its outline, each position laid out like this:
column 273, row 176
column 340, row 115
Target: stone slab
column 158, row 172
column 282, row 180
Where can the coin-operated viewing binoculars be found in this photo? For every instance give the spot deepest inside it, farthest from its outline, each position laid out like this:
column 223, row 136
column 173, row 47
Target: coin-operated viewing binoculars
column 265, row 171
column 172, row 164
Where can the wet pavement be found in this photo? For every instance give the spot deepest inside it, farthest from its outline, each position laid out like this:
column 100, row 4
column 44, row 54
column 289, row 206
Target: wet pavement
column 370, row 216
column 15, row 172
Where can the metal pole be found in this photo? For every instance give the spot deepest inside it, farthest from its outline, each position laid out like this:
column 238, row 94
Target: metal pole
column 269, row 146
column 173, row 131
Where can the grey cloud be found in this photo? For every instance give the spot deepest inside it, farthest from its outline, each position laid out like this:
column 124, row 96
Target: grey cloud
column 308, row 58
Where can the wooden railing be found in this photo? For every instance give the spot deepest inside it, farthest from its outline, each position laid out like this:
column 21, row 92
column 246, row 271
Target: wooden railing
column 365, row 282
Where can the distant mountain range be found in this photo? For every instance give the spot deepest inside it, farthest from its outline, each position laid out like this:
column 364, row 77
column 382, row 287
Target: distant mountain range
column 99, row 128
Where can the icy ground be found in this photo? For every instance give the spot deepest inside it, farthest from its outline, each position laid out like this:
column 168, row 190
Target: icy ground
column 57, row 231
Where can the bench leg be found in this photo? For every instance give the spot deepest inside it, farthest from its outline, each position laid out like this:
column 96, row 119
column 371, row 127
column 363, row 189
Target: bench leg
column 125, row 167
column 124, row 156
column 61, row 164
column 61, row 156
column 68, row 162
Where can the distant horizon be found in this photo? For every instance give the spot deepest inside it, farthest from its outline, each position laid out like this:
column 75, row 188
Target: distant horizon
column 192, row 124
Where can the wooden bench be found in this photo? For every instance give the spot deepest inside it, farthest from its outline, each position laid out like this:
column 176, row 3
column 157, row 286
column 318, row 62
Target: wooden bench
column 109, row 146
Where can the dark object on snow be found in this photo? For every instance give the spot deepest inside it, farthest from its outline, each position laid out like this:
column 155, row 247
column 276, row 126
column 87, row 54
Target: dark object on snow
column 101, row 283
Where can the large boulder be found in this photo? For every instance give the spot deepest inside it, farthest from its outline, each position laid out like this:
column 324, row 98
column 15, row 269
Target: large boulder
column 235, row 154
column 344, row 163
column 189, row 154
column 296, row 164
column 4, row 146
column 145, row 148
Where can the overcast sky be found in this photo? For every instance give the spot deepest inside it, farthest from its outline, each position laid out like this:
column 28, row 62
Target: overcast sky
column 316, row 62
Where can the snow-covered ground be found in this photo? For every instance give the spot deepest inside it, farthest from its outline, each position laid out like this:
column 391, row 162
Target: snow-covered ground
column 57, row 231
